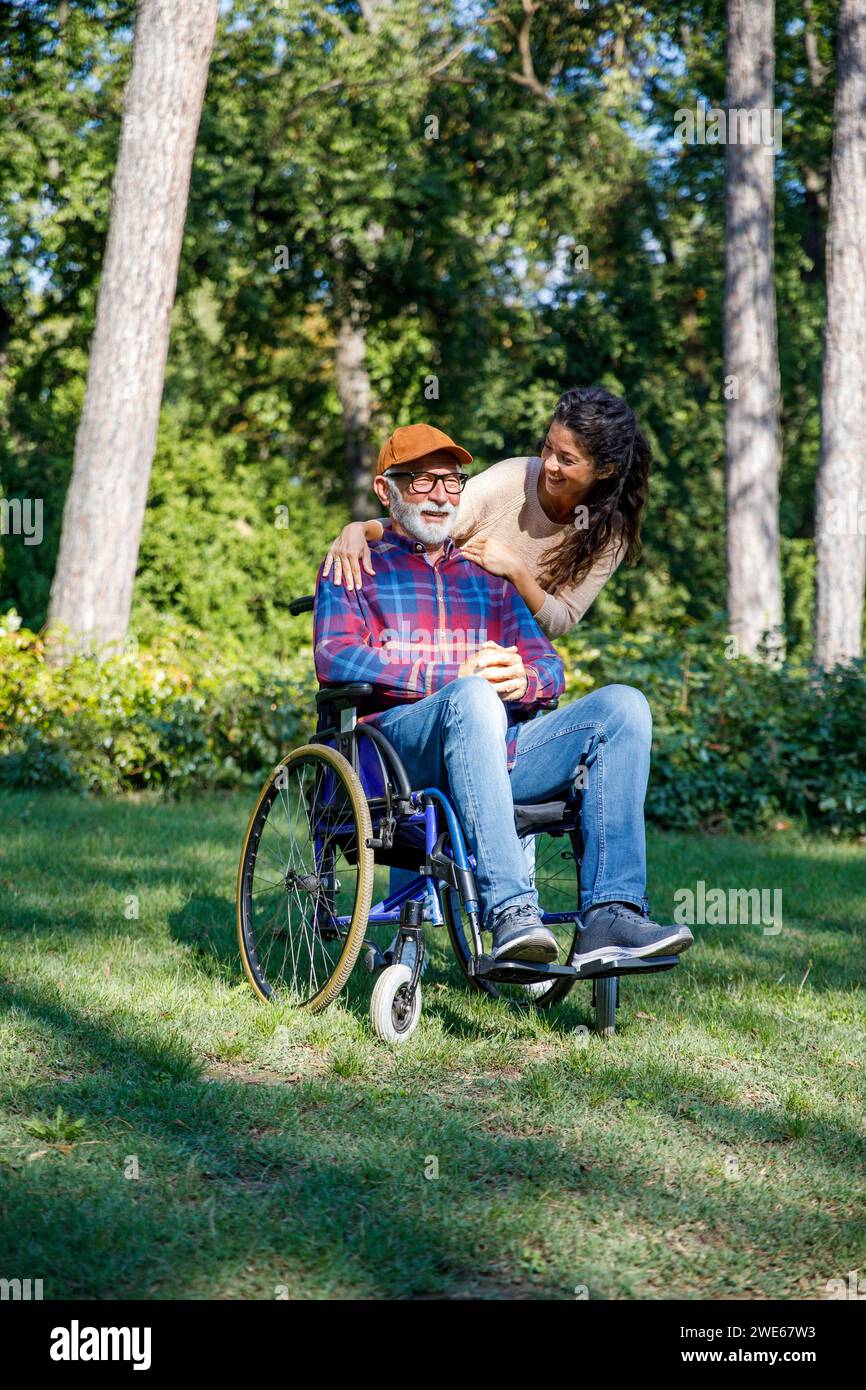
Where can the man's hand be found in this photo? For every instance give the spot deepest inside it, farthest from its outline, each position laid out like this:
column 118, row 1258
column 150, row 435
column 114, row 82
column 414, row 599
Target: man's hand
column 502, row 667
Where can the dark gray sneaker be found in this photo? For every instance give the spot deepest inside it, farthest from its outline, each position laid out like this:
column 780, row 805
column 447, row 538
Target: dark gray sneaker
column 612, row 930
column 520, row 934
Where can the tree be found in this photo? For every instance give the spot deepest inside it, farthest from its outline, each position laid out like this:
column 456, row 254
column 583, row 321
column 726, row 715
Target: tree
column 751, row 350
column 840, row 540
column 102, row 520
column 350, row 364
column 469, row 158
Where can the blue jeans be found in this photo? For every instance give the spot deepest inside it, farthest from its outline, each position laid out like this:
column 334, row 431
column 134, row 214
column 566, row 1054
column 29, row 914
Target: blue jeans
column 455, row 740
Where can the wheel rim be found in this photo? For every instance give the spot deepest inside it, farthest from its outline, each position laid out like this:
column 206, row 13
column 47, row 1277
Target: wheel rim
column 402, row 1010
column 305, row 880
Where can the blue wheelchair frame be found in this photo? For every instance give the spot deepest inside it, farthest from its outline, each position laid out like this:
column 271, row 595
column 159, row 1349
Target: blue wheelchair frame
column 419, row 831
column 391, row 792
column 387, row 910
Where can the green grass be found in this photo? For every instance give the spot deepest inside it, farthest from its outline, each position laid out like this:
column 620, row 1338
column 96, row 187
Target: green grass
column 714, row 1148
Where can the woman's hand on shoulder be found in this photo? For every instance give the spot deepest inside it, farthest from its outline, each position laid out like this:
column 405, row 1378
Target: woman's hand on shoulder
column 492, row 556
column 347, row 555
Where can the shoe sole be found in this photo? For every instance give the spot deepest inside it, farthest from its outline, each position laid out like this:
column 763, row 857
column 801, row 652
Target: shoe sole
column 674, row 944
column 528, row 949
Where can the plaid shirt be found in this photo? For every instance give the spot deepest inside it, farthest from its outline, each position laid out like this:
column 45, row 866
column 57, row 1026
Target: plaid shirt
column 410, row 627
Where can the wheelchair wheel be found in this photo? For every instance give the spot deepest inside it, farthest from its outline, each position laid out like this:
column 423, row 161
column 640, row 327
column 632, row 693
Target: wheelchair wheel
column 305, row 879
column 556, row 878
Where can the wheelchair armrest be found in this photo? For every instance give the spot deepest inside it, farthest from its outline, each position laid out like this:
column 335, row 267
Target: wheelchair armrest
column 344, row 696
column 519, row 713
column 302, row 605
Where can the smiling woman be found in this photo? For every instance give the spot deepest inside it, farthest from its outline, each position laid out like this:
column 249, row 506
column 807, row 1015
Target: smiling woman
column 556, row 524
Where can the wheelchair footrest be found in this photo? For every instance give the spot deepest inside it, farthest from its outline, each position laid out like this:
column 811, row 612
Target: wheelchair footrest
column 518, row 972
column 626, row 965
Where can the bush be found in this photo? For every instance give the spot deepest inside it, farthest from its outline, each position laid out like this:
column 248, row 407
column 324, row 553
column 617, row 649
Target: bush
column 736, row 744
column 145, row 718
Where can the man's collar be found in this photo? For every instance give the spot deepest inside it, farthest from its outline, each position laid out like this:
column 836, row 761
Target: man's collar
column 410, row 543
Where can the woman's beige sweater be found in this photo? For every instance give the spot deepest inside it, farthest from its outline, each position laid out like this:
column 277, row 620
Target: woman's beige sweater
column 502, row 502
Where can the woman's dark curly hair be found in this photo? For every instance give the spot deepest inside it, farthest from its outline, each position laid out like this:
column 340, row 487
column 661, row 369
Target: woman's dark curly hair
column 607, row 429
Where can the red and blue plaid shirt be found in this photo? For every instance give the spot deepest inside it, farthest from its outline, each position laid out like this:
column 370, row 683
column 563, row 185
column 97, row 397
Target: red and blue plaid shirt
column 408, row 629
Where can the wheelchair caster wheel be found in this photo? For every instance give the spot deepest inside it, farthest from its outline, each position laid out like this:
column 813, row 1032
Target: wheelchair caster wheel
column 393, row 1015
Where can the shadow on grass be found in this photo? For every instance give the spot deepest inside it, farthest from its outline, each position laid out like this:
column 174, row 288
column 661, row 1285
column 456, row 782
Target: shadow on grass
column 293, row 1189
column 207, row 924
column 322, row 1181
column 202, row 924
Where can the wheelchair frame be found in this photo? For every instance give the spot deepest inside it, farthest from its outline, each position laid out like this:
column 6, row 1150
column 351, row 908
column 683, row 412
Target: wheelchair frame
column 400, row 806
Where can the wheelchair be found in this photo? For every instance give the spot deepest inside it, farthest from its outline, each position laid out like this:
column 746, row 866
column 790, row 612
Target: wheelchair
column 341, row 806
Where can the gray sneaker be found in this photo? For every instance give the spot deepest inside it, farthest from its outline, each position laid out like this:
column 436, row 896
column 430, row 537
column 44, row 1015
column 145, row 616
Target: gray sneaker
column 613, row 930
column 520, row 934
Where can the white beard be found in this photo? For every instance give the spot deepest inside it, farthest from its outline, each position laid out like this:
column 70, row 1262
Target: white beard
column 408, row 515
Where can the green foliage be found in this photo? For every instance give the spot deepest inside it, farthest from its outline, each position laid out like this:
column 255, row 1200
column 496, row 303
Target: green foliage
column 798, row 577
column 456, row 242
column 61, row 1129
column 738, row 744
column 175, row 715
column 228, row 540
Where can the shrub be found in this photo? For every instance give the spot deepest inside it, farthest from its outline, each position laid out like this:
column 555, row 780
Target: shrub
column 736, row 744
column 145, row 718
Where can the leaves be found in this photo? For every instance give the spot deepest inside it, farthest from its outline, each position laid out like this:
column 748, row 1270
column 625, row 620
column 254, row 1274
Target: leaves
column 61, row 1131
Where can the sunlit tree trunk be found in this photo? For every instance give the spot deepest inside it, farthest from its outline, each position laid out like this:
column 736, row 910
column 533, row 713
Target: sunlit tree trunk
column 92, row 591
column 752, row 442
column 840, row 513
column 351, row 311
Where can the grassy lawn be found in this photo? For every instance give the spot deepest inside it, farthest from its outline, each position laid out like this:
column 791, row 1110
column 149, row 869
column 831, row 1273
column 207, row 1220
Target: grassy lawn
column 164, row 1135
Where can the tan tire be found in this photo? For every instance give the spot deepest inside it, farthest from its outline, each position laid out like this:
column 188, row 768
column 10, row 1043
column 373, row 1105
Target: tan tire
column 305, row 879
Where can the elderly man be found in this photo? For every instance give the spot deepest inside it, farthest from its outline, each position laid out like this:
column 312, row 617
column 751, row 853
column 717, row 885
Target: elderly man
column 449, row 650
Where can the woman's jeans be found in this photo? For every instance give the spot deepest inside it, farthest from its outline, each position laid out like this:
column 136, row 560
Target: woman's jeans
column 455, row 740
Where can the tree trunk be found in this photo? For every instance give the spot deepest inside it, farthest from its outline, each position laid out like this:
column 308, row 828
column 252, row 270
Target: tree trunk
column 92, row 591
column 751, row 351
column 353, row 385
column 840, row 514
column 351, row 312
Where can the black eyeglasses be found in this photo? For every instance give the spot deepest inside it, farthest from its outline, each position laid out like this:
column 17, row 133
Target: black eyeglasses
column 423, row 483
